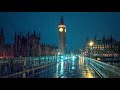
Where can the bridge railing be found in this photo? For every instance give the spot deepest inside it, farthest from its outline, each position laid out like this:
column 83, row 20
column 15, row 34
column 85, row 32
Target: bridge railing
column 105, row 70
column 20, row 67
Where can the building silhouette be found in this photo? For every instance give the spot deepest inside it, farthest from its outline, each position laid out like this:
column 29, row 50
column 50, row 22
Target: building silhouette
column 6, row 50
column 25, row 46
column 101, row 49
column 2, row 43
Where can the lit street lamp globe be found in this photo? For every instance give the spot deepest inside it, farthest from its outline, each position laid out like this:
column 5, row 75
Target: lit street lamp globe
column 91, row 43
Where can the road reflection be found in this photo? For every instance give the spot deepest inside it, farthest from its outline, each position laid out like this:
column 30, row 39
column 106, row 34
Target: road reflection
column 68, row 68
column 74, row 67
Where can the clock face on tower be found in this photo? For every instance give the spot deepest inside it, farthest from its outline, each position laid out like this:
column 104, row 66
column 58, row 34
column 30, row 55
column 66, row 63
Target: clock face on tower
column 60, row 29
column 65, row 30
column 61, row 37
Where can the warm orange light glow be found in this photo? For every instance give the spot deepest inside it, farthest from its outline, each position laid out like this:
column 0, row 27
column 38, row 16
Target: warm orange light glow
column 98, row 58
column 65, row 30
column 88, row 74
column 63, row 26
column 91, row 43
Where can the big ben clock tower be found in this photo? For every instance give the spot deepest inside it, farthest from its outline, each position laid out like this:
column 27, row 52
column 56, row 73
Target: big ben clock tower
column 61, row 37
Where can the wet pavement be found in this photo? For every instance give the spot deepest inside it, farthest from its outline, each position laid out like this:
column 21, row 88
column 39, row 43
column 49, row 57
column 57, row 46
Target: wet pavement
column 74, row 67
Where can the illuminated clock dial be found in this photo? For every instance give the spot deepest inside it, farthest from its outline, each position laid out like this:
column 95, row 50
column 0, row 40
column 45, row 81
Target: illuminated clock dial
column 65, row 30
column 61, row 29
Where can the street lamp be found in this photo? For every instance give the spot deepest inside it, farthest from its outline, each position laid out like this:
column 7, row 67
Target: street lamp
column 91, row 43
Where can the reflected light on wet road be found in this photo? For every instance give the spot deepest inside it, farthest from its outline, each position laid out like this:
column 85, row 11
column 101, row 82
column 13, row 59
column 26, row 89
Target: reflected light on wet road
column 71, row 68
column 76, row 68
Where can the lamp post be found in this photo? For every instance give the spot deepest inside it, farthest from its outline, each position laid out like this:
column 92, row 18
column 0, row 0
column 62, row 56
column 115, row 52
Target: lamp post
column 91, row 43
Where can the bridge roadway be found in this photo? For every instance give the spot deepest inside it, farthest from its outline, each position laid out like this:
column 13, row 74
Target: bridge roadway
column 71, row 67
column 74, row 68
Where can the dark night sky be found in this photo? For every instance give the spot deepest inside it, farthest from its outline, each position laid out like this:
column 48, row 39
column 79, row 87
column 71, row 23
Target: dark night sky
column 78, row 25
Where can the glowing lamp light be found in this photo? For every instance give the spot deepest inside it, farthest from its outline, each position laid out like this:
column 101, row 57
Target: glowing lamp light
column 73, row 57
column 66, row 58
column 62, row 57
column 98, row 58
column 58, row 53
column 65, row 30
column 91, row 43
column 61, row 29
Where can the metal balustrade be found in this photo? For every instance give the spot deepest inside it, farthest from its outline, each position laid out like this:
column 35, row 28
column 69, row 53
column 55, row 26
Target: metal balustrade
column 44, row 67
column 105, row 70
column 25, row 67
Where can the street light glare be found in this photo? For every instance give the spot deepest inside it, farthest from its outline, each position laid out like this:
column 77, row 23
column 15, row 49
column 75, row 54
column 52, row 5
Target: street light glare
column 91, row 43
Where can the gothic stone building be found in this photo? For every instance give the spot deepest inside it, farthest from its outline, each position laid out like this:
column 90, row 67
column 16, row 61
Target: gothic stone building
column 104, row 48
column 6, row 50
column 25, row 46
column 31, row 46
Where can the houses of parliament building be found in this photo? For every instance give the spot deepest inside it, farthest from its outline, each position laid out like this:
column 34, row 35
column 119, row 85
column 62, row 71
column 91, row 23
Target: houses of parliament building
column 102, row 48
column 25, row 46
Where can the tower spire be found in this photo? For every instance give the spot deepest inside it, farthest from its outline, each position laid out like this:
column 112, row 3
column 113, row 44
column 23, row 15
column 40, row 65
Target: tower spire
column 111, row 39
column 2, row 36
column 61, row 37
column 62, row 20
column 95, row 38
column 34, row 32
column 2, row 30
column 39, row 36
column 15, row 37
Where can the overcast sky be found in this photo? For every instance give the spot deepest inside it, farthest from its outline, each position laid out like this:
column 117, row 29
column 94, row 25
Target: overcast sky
column 79, row 25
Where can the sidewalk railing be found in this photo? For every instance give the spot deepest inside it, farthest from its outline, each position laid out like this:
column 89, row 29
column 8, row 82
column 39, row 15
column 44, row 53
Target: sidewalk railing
column 106, row 70
column 25, row 67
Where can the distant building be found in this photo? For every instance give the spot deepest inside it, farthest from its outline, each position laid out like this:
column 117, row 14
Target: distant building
column 2, row 39
column 101, row 49
column 31, row 46
column 6, row 50
column 61, row 37
column 25, row 46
